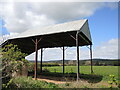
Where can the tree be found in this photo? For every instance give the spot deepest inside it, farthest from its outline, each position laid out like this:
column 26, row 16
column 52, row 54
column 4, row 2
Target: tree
column 12, row 60
column 97, row 63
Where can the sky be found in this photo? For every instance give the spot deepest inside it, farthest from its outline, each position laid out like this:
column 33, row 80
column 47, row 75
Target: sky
column 17, row 17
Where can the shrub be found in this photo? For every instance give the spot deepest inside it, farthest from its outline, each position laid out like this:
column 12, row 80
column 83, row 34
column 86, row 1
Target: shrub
column 45, row 70
column 31, row 67
column 12, row 60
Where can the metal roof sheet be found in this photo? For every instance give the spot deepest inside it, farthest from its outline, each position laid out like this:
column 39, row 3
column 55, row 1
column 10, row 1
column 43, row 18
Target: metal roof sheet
column 58, row 28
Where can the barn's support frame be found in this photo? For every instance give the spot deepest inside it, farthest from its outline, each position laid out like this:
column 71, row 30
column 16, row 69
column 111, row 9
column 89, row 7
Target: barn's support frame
column 75, row 33
column 36, row 41
column 63, row 59
column 77, row 45
column 91, row 59
column 41, row 60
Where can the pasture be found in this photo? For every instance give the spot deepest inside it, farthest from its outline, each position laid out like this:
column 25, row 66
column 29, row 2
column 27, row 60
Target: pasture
column 104, row 71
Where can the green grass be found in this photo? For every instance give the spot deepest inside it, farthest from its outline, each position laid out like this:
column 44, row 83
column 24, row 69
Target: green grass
column 28, row 82
column 105, row 71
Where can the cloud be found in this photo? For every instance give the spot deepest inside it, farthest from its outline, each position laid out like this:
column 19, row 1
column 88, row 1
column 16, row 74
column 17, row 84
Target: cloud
column 21, row 16
column 59, row 0
column 112, row 5
column 65, row 11
column 7, row 36
column 107, row 50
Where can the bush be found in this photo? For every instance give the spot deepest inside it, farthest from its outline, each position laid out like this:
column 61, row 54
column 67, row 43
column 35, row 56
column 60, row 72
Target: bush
column 45, row 70
column 31, row 67
column 13, row 60
column 28, row 82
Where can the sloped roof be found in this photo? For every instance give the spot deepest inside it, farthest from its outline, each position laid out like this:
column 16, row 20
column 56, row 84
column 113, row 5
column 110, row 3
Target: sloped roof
column 54, row 36
column 58, row 28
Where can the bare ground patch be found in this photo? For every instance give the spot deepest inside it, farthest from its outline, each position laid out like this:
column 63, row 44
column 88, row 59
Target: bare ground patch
column 64, row 82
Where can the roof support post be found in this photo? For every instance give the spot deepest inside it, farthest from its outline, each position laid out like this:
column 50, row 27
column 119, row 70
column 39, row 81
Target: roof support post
column 91, row 58
column 77, row 44
column 36, row 41
column 63, row 58
column 41, row 60
column 36, row 58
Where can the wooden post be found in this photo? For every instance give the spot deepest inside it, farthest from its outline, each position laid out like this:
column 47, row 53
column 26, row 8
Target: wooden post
column 77, row 44
column 36, row 41
column 91, row 58
column 41, row 60
column 36, row 58
column 63, row 58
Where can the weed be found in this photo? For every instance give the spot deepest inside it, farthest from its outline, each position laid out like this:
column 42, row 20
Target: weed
column 85, row 86
column 67, row 84
column 112, row 81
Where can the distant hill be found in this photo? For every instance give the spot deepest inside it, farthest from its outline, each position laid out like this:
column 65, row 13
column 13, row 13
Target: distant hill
column 100, row 62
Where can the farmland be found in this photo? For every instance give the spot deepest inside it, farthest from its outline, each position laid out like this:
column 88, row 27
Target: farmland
column 104, row 71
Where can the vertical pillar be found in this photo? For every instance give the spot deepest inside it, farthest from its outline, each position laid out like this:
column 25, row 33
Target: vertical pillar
column 91, row 58
column 77, row 44
column 41, row 60
column 63, row 58
column 36, row 57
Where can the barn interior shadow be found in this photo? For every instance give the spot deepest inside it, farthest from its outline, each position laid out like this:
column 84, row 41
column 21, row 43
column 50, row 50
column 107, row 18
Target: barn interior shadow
column 91, row 78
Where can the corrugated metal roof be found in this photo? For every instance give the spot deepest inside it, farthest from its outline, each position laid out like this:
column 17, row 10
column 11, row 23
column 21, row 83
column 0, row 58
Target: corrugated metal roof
column 58, row 28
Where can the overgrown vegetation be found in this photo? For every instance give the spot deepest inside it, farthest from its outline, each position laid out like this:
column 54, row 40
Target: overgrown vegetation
column 28, row 82
column 12, row 60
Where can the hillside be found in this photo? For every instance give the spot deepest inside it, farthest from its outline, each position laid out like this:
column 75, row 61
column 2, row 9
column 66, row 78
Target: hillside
column 103, row 62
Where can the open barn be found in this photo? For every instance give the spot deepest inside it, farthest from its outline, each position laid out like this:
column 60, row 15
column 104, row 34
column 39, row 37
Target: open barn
column 69, row 34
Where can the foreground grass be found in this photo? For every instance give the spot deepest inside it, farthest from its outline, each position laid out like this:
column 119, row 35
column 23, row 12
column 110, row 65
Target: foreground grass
column 28, row 82
column 85, row 84
column 104, row 71
column 87, row 80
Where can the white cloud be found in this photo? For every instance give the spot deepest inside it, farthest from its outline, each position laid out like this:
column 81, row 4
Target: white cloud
column 65, row 11
column 107, row 50
column 20, row 16
column 60, row 0
column 7, row 36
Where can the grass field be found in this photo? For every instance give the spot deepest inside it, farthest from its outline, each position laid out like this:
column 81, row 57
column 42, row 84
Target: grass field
column 105, row 71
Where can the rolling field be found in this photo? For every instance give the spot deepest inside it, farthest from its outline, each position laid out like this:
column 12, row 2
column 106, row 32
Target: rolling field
column 105, row 71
